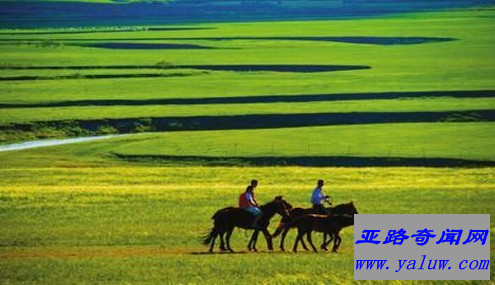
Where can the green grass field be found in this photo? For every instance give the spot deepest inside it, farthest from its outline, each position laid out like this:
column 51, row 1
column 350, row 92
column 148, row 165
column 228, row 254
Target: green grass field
column 120, row 211
column 142, row 224
column 421, row 140
column 463, row 64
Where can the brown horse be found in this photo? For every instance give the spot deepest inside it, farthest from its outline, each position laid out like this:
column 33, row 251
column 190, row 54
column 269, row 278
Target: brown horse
column 328, row 224
column 299, row 212
column 225, row 220
column 254, row 236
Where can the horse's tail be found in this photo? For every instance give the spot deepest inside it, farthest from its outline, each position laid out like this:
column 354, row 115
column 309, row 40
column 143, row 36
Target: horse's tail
column 218, row 218
column 207, row 239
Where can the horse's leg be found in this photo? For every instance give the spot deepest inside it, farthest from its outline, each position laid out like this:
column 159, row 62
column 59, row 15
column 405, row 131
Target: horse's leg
column 324, row 242
column 222, row 242
column 227, row 238
column 214, row 237
column 298, row 238
column 327, row 242
column 282, row 239
column 306, row 248
column 310, row 240
column 256, row 240
column 252, row 241
column 268, row 237
column 336, row 242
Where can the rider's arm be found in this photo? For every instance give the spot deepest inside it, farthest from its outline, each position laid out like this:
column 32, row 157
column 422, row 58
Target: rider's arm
column 327, row 199
column 255, row 202
column 250, row 199
column 321, row 196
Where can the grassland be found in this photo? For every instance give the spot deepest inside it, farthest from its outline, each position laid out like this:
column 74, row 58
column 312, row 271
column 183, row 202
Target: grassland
column 113, row 112
column 129, row 224
column 464, row 62
column 406, row 67
column 421, row 140
column 121, row 211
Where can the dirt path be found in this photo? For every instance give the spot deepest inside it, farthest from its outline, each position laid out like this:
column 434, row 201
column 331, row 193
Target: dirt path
column 88, row 252
column 43, row 143
column 112, row 252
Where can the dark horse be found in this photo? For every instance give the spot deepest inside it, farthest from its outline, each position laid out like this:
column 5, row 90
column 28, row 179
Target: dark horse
column 225, row 220
column 298, row 212
column 341, row 216
column 254, row 237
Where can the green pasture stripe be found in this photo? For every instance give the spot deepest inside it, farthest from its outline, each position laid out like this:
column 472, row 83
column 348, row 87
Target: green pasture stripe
column 420, row 140
column 430, row 104
column 301, row 98
column 458, row 141
column 94, row 76
column 464, row 64
column 251, row 121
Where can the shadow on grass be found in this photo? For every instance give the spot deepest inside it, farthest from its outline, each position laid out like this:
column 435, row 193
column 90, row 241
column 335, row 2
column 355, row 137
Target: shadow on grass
column 387, row 41
column 352, row 40
column 95, row 76
column 236, row 67
column 316, row 161
column 263, row 99
column 96, row 31
column 256, row 121
column 144, row 46
column 217, row 252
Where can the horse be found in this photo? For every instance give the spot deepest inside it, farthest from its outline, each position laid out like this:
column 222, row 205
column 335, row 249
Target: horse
column 347, row 208
column 225, row 220
column 254, row 236
column 330, row 224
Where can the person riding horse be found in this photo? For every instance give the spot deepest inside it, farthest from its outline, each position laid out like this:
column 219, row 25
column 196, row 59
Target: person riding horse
column 249, row 203
column 317, row 198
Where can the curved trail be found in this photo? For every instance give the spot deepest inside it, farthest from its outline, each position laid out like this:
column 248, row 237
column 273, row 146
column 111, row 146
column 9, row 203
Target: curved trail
column 51, row 142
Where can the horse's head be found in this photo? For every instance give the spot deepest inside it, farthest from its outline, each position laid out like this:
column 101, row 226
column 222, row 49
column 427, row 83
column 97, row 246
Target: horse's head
column 283, row 206
column 350, row 208
column 287, row 205
column 347, row 208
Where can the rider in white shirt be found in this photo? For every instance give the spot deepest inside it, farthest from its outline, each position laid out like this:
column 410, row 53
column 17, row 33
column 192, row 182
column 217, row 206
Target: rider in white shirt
column 317, row 198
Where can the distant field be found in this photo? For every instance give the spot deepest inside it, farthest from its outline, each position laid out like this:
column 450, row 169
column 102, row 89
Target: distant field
column 90, row 13
column 414, row 140
column 71, row 78
column 400, row 140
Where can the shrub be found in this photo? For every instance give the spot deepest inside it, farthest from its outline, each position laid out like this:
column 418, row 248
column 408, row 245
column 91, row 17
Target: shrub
column 164, row 64
column 106, row 130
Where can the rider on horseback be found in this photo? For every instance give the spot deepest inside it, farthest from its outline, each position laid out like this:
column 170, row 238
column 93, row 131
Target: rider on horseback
column 317, row 198
column 249, row 203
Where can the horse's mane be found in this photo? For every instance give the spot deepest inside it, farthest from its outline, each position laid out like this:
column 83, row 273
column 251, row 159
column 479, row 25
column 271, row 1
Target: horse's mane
column 344, row 205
